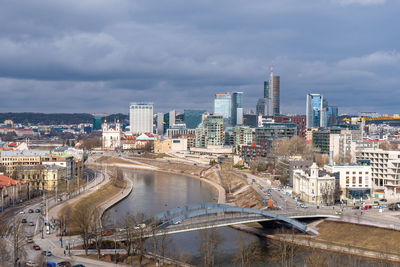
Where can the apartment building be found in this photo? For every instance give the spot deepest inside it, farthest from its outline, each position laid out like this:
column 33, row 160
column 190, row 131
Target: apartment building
column 385, row 171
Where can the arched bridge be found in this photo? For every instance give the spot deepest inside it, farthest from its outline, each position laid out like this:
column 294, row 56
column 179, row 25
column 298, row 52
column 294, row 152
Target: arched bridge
column 210, row 215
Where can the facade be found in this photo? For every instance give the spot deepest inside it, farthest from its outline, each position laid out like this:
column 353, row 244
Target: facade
column 314, row 110
column 172, row 118
column 111, row 137
column 299, row 120
column 11, row 191
column 192, row 117
column 274, row 85
column 332, row 115
column 223, row 106
column 63, row 160
column 262, row 107
column 242, row 135
column 178, row 130
column 96, row 123
column 160, row 123
column 313, row 185
column 13, row 159
column 237, row 108
column 285, row 166
column 170, row 145
column 272, row 131
column 385, row 171
column 141, row 118
column 354, row 180
column 210, row 132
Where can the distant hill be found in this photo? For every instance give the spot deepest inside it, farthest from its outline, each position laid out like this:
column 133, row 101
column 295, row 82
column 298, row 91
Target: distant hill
column 55, row 118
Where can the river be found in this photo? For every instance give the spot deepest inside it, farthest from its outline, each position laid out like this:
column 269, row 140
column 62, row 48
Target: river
column 155, row 192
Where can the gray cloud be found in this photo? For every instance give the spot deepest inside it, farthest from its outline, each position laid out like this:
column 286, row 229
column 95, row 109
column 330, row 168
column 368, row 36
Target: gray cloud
column 101, row 55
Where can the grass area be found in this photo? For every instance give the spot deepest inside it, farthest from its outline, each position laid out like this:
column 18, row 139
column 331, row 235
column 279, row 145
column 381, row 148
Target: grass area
column 95, row 199
column 360, row 236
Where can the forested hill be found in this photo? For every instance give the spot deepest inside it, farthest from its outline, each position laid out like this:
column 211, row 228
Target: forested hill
column 55, row 118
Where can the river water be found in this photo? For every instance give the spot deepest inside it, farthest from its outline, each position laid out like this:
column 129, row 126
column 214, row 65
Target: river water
column 155, row 192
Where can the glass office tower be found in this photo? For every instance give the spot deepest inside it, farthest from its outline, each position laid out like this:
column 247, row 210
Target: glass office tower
column 314, row 110
column 192, row 117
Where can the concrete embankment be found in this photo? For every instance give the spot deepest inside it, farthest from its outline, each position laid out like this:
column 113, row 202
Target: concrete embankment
column 124, row 194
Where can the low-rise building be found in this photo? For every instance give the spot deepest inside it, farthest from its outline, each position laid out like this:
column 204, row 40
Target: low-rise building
column 13, row 159
column 314, row 185
column 12, row 191
column 354, row 180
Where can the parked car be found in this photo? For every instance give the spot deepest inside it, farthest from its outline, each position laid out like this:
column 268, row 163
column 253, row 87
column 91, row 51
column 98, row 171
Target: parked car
column 31, row 224
column 31, row 264
column 22, row 212
column 37, row 210
column 36, row 247
column 29, row 240
column 356, row 207
column 108, row 233
column 24, row 220
column 51, row 264
column 30, row 211
column 383, row 200
column 47, row 253
column 64, row 264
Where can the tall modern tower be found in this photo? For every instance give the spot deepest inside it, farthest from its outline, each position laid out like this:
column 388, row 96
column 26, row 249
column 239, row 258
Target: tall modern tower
column 223, row 106
column 274, row 90
column 315, row 111
column 237, row 108
column 271, row 95
column 141, row 117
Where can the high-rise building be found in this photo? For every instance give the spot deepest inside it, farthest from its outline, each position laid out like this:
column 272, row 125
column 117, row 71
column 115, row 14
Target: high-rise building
column 332, row 114
column 274, row 89
column 262, row 107
column 223, row 106
column 141, row 117
column 172, row 117
column 230, row 106
column 270, row 104
column 237, row 108
column 160, row 123
column 192, row 118
column 314, row 107
column 96, row 123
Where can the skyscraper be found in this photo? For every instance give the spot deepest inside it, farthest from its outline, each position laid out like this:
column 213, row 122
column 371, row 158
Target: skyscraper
column 315, row 111
column 223, row 106
column 274, row 90
column 160, row 123
column 271, row 104
column 332, row 114
column 237, row 108
column 141, row 117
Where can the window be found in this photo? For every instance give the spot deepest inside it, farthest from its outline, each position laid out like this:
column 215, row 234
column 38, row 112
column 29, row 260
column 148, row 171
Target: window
column 360, row 180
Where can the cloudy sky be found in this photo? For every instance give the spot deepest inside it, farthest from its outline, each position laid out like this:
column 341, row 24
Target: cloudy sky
column 99, row 55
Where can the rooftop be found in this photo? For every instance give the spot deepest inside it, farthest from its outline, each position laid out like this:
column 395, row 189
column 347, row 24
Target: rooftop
column 24, row 153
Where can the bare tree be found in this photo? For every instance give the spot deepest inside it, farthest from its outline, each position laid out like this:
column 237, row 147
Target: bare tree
column 97, row 230
column 82, row 220
column 17, row 238
column 4, row 252
column 284, row 250
column 248, row 253
column 327, row 192
column 208, row 246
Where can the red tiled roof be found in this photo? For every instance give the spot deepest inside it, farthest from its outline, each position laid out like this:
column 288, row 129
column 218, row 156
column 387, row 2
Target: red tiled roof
column 7, row 181
column 13, row 144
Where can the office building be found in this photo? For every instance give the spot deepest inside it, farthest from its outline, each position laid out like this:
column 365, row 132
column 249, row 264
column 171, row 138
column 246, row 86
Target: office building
column 141, row 118
column 96, row 123
column 332, row 115
column 192, row 118
column 271, row 131
column 160, row 123
column 172, row 118
column 237, row 108
column 262, row 107
column 223, row 106
column 230, row 106
column 314, row 110
column 299, row 120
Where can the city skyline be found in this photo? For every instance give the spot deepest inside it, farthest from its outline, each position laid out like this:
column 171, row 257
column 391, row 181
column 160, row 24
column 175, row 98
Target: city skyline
column 98, row 56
